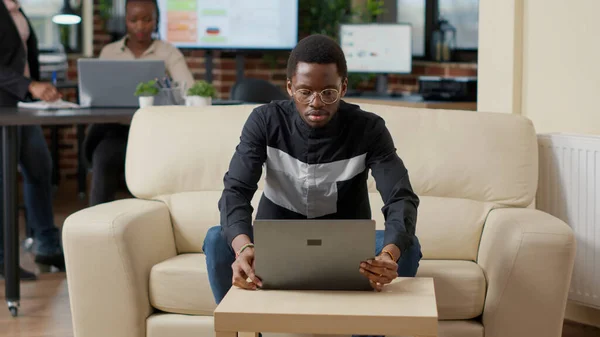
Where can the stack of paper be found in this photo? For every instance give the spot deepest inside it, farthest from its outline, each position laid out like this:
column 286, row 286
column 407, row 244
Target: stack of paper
column 59, row 104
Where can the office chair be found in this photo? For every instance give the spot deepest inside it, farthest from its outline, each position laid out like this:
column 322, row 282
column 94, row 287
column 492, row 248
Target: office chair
column 254, row 90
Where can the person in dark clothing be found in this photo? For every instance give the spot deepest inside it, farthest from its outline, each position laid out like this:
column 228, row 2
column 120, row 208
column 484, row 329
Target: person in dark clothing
column 19, row 75
column 329, row 146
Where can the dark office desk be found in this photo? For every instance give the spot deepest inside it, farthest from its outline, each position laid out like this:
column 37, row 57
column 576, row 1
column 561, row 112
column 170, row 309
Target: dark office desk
column 411, row 101
column 10, row 119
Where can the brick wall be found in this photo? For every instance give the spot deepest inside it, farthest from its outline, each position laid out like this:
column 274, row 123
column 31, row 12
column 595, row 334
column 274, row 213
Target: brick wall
column 224, row 76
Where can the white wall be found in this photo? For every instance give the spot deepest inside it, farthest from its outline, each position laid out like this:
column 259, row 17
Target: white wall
column 552, row 76
column 561, row 65
column 499, row 64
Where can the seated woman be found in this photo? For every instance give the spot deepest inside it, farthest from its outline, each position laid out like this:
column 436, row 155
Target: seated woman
column 105, row 145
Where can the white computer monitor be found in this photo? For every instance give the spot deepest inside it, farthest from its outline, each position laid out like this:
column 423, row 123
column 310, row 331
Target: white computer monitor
column 377, row 48
column 229, row 24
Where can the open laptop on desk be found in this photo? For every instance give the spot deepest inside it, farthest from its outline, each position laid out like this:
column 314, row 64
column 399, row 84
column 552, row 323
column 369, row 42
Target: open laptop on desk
column 313, row 254
column 112, row 83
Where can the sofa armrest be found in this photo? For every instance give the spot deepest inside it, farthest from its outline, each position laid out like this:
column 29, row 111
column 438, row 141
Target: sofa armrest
column 527, row 257
column 109, row 252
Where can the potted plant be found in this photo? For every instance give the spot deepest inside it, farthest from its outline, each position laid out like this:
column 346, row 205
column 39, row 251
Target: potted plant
column 200, row 94
column 146, row 92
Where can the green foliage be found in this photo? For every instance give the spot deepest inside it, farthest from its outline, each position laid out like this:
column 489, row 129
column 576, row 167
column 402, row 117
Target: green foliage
column 105, row 8
column 203, row 89
column 146, row 89
column 325, row 17
column 372, row 10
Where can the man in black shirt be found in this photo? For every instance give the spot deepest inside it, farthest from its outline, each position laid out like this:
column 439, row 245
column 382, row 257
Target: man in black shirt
column 318, row 151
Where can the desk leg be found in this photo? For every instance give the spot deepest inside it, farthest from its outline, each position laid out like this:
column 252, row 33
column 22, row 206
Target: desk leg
column 11, row 230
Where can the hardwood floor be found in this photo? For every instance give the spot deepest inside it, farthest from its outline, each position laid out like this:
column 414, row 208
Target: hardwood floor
column 45, row 310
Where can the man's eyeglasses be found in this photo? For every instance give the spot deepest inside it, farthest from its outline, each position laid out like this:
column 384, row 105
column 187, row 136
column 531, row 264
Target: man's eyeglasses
column 305, row 96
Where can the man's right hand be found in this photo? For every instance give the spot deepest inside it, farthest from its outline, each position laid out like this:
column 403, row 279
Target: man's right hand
column 243, row 269
column 44, row 91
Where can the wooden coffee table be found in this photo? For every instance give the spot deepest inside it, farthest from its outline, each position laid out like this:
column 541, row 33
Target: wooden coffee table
column 407, row 307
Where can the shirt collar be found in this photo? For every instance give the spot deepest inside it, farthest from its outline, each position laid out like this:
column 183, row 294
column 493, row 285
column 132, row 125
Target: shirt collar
column 330, row 129
column 123, row 46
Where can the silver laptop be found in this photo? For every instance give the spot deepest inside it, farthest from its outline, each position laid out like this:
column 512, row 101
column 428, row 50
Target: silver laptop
column 313, row 254
column 112, row 83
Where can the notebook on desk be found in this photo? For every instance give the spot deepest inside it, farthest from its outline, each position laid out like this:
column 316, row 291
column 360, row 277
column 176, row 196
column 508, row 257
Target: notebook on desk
column 41, row 105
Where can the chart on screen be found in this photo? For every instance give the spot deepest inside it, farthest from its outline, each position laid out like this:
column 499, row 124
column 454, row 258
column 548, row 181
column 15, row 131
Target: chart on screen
column 229, row 24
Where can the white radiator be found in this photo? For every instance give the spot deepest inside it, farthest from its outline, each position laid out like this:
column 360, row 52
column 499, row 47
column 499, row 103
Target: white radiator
column 569, row 188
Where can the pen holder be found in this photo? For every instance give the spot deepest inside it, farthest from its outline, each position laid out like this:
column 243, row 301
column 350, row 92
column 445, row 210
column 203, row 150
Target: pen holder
column 170, row 96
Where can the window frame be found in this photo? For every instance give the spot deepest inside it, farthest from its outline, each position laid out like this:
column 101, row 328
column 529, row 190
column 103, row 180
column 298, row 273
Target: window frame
column 464, row 52
column 432, row 10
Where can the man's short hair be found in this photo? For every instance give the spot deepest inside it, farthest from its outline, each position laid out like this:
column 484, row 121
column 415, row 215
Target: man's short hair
column 319, row 49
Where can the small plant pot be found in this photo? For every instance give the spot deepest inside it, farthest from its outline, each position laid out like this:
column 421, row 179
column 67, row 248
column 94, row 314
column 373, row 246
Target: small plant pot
column 146, row 101
column 198, row 101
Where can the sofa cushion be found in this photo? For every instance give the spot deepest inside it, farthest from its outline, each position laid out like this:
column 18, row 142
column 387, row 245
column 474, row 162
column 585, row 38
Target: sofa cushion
column 489, row 157
column 192, row 214
column 172, row 325
column 447, row 228
column 174, row 149
column 460, row 287
column 180, row 285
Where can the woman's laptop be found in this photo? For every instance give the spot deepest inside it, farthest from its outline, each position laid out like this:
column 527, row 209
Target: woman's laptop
column 313, row 254
column 112, row 83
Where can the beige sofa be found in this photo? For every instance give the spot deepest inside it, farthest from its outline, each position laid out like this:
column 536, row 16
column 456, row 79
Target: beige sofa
column 501, row 268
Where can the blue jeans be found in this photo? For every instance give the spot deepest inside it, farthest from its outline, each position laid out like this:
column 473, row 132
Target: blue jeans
column 35, row 163
column 220, row 257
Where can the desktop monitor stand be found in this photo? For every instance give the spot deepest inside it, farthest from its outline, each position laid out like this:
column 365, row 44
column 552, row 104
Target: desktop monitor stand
column 381, row 85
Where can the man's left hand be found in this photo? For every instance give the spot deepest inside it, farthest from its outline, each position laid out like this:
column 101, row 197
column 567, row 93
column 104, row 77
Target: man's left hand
column 380, row 271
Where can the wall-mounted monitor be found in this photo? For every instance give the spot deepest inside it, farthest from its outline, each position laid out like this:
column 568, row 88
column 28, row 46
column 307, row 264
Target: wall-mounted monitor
column 229, row 24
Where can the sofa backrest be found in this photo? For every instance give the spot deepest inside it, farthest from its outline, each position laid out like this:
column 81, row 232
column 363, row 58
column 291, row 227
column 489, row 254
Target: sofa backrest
column 461, row 164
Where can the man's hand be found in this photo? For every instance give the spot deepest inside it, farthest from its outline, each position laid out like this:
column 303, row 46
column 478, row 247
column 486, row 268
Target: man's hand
column 380, row 271
column 44, row 91
column 243, row 269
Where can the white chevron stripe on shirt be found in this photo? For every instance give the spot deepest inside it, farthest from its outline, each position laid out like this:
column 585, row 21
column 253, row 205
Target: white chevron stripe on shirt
column 308, row 189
